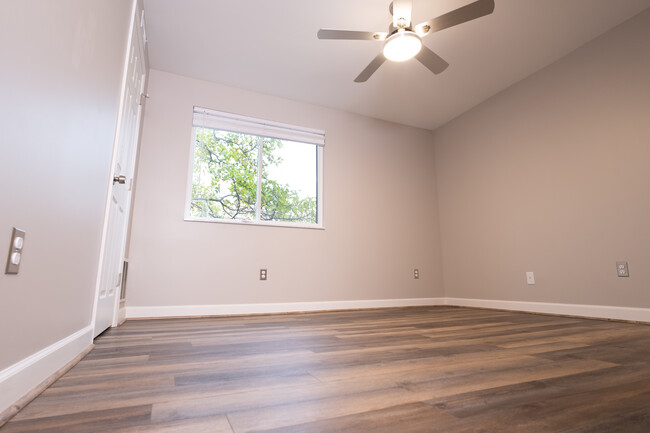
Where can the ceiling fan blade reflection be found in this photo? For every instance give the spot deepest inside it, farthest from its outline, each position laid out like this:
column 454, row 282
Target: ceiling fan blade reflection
column 461, row 15
column 431, row 60
column 371, row 68
column 402, row 10
column 351, row 35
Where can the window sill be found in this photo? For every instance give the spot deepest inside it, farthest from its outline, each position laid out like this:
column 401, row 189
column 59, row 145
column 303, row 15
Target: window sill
column 256, row 223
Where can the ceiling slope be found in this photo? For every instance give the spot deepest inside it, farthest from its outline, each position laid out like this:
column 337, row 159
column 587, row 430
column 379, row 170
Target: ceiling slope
column 271, row 47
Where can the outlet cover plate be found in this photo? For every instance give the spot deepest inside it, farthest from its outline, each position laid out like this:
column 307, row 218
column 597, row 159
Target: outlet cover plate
column 15, row 251
column 530, row 278
column 622, row 270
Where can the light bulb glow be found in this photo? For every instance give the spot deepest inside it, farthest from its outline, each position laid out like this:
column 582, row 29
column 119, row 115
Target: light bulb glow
column 402, row 45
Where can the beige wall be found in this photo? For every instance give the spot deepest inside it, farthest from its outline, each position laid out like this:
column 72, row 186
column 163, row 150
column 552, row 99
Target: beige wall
column 379, row 203
column 552, row 176
column 60, row 79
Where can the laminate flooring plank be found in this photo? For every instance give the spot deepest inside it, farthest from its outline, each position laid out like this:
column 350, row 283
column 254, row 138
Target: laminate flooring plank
column 217, row 424
column 634, row 351
column 467, row 383
column 405, row 418
column 111, row 363
column 468, row 404
column 456, row 366
column 476, row 329
column 309, row 411
column 253, row 399
column 570, row 412
column 407, row 370
column 87, row 390
column 284, row 373
column 311, row 408
column 138, row 350
column 628, row 422
column 186, row 365
column 206, row 394
column 385, row 377
column 83, row 421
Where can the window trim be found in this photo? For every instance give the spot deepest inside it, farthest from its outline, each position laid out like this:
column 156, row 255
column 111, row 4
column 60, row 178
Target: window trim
column 320, row 198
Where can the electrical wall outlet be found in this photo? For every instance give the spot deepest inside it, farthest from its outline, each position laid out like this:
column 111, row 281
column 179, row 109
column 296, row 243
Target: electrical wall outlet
column 416, row 274
column 15, row 251
column 530, row 278
column 263, row 274
column 622, row 269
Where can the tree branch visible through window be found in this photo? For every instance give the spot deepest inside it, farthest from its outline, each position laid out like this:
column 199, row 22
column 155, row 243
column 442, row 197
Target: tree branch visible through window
column 225, row 180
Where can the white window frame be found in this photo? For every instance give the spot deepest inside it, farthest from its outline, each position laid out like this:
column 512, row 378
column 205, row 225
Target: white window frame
column 262, row 128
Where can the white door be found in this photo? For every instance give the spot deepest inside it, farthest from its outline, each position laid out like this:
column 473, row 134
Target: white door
column 117, row 218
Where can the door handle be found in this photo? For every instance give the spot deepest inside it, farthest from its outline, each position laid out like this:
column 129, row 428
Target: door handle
column 121, row 179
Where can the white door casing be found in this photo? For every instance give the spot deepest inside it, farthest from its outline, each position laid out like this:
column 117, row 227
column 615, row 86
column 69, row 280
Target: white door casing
column 116, row 220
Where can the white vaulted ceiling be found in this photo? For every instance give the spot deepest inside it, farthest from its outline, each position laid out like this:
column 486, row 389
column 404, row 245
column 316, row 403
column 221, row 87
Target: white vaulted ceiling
column 271, row 47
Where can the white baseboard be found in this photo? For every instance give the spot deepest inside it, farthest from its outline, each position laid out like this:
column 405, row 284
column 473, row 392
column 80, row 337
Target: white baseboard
column 595, row 311
column 21, row 378
column 289, row 307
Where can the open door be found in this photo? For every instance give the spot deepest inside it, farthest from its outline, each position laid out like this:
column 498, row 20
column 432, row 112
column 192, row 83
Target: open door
column 109, row 277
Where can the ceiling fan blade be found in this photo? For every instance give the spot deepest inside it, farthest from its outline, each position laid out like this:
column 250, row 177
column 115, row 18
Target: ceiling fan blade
column 371, row 68
column 351, row 35
column 431, row 60
column 402, row 10
column 461, row 15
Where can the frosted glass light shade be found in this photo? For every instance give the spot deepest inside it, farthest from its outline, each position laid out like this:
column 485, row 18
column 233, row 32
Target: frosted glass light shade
column 402, row 45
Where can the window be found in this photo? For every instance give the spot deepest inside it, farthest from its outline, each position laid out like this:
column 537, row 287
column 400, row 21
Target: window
column 254, row 171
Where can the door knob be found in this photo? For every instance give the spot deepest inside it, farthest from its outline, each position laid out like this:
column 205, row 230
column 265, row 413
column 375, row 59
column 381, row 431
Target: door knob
column 119, row 179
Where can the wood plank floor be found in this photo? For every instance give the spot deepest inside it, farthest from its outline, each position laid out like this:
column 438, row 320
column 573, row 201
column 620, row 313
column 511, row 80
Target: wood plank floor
column 424, row 369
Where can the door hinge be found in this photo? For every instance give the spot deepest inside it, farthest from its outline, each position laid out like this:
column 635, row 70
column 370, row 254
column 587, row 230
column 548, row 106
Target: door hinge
column 143, row 98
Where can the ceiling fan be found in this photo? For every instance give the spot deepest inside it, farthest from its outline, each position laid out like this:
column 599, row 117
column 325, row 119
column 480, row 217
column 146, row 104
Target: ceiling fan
column 403, row 40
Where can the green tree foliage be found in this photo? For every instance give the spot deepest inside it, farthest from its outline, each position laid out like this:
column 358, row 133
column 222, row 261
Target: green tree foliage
column 224, row 181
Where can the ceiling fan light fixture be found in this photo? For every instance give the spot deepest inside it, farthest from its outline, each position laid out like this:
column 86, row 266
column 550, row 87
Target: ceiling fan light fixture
column 402, row 45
